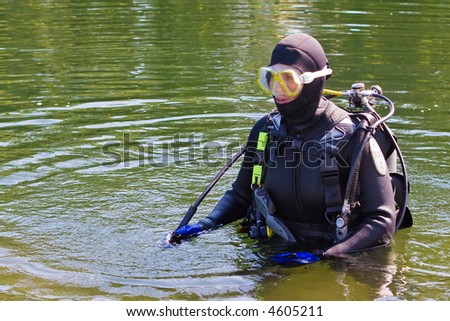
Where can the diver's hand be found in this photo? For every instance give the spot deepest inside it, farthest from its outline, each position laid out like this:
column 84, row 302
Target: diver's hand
column 184, row 232
column 188, row 231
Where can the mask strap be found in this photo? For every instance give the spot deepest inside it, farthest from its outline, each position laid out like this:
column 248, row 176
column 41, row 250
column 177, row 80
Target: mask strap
column 308, row 77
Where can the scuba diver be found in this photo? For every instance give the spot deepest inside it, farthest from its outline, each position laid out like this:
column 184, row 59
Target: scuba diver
column 313, row 173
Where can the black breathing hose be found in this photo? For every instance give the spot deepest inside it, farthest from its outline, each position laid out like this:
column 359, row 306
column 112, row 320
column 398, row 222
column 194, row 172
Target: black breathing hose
column 356, row 161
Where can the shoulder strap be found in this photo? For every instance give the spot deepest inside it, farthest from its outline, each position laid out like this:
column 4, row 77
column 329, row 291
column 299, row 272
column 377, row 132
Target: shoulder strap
column 332, row 142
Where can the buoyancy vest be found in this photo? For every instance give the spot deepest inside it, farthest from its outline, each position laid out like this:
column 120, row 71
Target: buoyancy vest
column 274, row 135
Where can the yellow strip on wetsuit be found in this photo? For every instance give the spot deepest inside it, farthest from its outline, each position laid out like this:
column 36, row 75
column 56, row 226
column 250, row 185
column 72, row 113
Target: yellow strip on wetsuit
column 257, row 168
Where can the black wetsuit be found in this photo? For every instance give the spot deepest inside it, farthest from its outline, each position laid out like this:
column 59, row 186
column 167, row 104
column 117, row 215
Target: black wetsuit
column 297, row 191
column 296, row 187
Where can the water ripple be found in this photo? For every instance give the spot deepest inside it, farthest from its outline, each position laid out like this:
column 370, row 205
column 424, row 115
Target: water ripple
column 31, row 122
column 168, row 119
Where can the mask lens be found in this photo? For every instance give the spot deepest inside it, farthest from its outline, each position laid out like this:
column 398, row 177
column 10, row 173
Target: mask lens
column 266, row 78
column 288, row 79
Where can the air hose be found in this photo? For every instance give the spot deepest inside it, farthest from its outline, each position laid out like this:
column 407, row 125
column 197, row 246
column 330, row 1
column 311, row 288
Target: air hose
column 361, row 95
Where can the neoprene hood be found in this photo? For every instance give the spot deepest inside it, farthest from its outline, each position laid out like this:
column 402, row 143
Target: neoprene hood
column 305, row 53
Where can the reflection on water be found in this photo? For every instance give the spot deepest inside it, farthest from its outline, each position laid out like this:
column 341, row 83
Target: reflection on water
column 113, row 121
column 361, row 277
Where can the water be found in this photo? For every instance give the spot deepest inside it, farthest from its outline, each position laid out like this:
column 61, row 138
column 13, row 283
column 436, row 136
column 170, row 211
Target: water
column 114, row 117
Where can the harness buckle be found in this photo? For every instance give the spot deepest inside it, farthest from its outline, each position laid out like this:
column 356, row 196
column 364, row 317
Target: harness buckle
column 331, row 176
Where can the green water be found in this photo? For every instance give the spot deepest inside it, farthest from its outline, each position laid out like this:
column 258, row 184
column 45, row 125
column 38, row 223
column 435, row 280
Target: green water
column 115, row 115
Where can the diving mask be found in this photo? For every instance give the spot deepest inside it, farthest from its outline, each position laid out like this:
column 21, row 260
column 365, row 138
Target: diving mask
column 290, row 80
